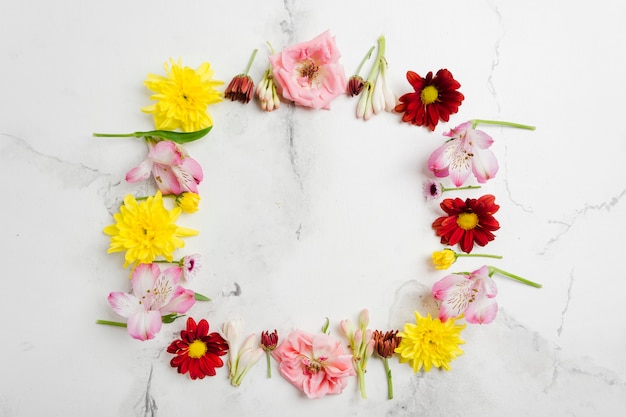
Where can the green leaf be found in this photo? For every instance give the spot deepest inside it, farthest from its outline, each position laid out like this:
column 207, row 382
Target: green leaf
column 178, row 137
column 169, row 318
column 325, row 327
column 200, row 297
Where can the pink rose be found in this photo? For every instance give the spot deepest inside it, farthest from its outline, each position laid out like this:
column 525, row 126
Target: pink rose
column 314, row 363
column 309, row 73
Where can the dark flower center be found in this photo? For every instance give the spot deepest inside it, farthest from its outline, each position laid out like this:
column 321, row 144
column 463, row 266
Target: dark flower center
column 309, row 70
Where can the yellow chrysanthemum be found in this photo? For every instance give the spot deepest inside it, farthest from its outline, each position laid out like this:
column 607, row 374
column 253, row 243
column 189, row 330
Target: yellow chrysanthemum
column 430, row 343
column 146, row 230
column 444, row 258
column 183, row 97
column 188, row 202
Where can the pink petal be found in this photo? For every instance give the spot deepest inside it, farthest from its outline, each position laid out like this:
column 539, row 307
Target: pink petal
column 166, row 179
column 480, row 139
column 144, row 324
column 438, row 160
column 292, row 371
column 316, row 385
column 484, row 165
column 488, row 286
column 143, row 279
column 482, row 311
column 166, row 152
column 172, row 274
column 182, row 300
column 460, row 164
column 459, row 131
column 193, row 167
column 124, row 304
column 186, row 180
column 455, row 291
column 140, row 173
column 443, row 286
column 339, row 366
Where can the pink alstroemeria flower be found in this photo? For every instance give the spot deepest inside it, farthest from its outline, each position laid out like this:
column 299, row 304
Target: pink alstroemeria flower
column 314, row 363
column 466, row 151
column 472, row 294
column 309, row 73
column 172, row 168
column 155, row 294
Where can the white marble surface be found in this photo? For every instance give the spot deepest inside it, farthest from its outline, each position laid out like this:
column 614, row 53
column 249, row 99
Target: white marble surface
column 315, row 214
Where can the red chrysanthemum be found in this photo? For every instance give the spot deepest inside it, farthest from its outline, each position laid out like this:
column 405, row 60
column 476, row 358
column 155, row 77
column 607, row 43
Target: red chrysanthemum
column 434, row 98
column 198, row 351
column 467, row 222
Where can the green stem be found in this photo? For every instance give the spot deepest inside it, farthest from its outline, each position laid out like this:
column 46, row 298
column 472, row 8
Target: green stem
column 250, row 61
column 493, row 269
column 269, row 364
column 111, row 323
column 476, row 122
column 379, row 55
column 467, row 187
column 162, row 195
column 114, row 135
column 361, row 375
column 389, row 380
column 365, row 58
column 478, row 255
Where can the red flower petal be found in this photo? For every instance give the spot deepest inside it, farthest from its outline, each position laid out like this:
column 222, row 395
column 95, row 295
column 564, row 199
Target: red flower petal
column 447, row 228
column 202, row 329
column 448, row 99
column 205, row 365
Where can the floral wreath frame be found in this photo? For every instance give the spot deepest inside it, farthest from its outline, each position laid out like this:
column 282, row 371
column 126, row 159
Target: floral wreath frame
column 308, row 75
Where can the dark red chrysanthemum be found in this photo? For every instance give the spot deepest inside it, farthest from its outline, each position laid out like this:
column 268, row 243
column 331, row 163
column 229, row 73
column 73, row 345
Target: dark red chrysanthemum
column 240, row 88
column 355, row 85
column 435, row 98
column 198, row 351
column 269, row 340
column 385, row 344
column 467, row 222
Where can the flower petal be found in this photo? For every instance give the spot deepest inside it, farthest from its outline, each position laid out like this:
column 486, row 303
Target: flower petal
column 484, row 165
column 140, row 173
column 144, row 324
column 124, row 304
column 455, row 291
column 182, row 300
column 482, row 311
column 166, row 152
column 166, row 179
column 144, row 278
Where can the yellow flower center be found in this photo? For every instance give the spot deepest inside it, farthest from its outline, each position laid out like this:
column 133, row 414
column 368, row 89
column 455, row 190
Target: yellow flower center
column 197, row 349
column 467, row 221
column 429, row 94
